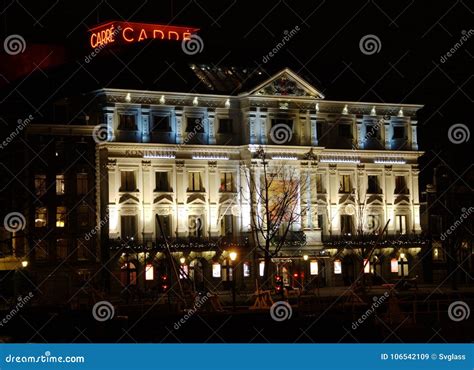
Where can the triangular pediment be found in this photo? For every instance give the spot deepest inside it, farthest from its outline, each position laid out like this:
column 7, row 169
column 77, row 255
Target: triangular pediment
column 286, row 83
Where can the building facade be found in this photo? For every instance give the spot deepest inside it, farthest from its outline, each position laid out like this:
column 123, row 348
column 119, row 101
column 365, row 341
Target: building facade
column 181, row 158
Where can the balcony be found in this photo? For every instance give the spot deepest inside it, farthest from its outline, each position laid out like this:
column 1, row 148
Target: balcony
column 366, row 241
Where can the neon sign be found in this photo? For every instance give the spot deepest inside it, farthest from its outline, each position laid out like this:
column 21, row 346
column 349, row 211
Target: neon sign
column 115, row 33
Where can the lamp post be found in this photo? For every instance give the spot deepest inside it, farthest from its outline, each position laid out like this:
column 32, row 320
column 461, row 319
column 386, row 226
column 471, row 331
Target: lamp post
column 233, row 257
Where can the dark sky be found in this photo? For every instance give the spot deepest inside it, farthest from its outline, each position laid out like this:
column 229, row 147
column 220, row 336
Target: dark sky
column 414, row 36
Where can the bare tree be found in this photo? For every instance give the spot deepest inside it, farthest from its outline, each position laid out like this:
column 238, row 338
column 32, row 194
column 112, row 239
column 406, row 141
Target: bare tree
column 273, row 194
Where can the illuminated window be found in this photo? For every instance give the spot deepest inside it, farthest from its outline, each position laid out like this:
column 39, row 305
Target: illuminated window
column 60, row 216
column 61, row 248
column 216, row 270
column 403, row 265
column 194, row 182
column 225, row 126
column 227, row 182
column 372, row 223
column 82, row 183
column 366, row 266
column 345, row 184
column 40, row 185
column 246, row 267
column 394, row 265
column 162, row 183
column 337, row 267
column 128, row 181
column 41, row 217
column 161, row 124
column 438, row 254
column 261, row 268
column 59, row 184
column 183, row 272
column 195, row 225
column 313, row 268
column 127, row 122
column 401, row 224
column 149, row 272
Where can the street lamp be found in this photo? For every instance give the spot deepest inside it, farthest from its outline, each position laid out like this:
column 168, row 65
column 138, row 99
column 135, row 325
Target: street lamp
column 233, row 257
column 182, row 260
column 24, row 264
column 305, row 257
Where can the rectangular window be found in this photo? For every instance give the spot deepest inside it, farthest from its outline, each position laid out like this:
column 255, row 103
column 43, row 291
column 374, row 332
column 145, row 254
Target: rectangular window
column 183, row 271
column 60, row 216
column 127, row 122
column 83, row 216
column 227, row 225
column 41, row 250
column 162, row 183
column 161, row 124
column 401, row 224
column 195, row 183
column 261, row 268
column 246, row 267
column 319, row 130
column 366, row 266
column 40, row 185
column 372, row 224
column 394, row 265
column 373, row 185
column 128, row 226
column 344, row 130
column 313, row 268
column 128, row 181
column 81, row 181
column 320, row 188
column 345, row 184
column 225, row 126
column 227, row 182
column 82, row 249
column 149, row 272
column 59, row 184
column 195, row 125
column 401, row 185
column 216, row 270
column 165, row 221
column 41, row 217
column 347, row 225
column 372, row 132
column 337, row 267
column 321, row 222
column 398, row 132
column 61, row 249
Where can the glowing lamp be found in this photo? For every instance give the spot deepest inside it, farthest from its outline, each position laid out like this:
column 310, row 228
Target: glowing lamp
column 233, row 256
column 24, row 264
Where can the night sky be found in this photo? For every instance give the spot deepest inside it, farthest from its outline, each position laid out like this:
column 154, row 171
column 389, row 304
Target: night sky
column 410, row 67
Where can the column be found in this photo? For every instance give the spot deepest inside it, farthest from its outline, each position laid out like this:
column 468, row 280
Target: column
column 211, row 127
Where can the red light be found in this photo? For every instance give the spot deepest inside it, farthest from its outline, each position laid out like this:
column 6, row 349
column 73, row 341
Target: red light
column 295, row 275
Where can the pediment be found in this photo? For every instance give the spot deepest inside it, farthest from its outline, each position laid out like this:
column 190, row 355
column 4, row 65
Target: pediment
column 286, row 83
column 128, row 199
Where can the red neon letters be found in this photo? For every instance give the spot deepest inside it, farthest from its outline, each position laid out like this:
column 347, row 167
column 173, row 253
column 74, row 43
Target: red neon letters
column 129, row 32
